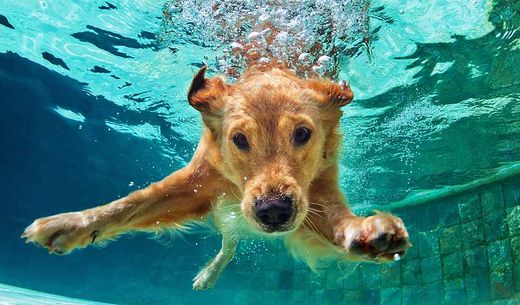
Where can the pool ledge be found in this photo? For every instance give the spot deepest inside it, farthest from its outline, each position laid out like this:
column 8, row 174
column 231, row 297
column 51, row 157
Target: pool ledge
column 424, row 197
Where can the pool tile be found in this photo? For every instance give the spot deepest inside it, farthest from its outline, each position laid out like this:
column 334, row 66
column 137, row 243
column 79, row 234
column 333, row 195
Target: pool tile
column 301, row 279
column 450, row 239
column 371, row 296
column 448, row 213
column 469, row 208
column 502, row 285
column 453, row 265
column 391, row 296
column 478, row 289
column 335, row 279
column 495, row 226
column 391, row 274
column 427, row 243
column 516, row 277
column 513, row 220
column 334, row 296
column 454, row 292
column 286, row 262
column 317, row 280
column 285, row 280
column 431, row 269
column 354, row 279
column 511, row 192
column 316, row 297
column 501, row 269
column 492, row 200
column 371, row 275
column 433, row 293
column 351, row 297
column 411, row 272
column 412, row 295
column 506, row 302
column 499, row 254
column 476, row 260
column 515, row 253
column 295, row 297
column 473, row 234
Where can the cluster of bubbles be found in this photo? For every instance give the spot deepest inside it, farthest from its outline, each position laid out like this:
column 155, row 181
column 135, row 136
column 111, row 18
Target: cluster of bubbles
column 303, row 35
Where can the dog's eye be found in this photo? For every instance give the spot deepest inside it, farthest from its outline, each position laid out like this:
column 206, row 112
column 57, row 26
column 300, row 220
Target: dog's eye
column 240, row 141
column 301, row 136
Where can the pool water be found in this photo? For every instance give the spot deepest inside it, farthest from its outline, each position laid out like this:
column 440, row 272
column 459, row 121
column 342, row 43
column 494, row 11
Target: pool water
column 93, row 106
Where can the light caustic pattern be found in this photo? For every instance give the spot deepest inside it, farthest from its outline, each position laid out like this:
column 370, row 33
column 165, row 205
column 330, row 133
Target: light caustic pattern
column 306, row 36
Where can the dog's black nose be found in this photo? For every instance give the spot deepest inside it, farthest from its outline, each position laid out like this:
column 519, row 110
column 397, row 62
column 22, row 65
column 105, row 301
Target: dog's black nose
column 274, row 212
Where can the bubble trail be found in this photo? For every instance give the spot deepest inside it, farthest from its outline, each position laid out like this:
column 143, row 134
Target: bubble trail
column 305, row 36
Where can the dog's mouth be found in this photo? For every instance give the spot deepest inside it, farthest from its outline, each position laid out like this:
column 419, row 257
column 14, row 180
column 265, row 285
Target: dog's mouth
column 285, row 228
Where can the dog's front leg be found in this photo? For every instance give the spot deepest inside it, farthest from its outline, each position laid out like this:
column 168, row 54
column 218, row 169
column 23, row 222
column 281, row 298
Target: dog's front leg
column 208, row 276
column 184, row 195
column 381, row 237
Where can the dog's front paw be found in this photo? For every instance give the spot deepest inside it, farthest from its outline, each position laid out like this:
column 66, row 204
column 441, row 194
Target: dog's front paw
column 382, row 237
column 61, row 233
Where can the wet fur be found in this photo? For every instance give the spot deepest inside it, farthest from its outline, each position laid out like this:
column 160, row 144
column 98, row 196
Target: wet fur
column 222, row 181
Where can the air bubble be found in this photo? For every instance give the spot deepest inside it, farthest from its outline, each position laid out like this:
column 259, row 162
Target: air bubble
column 323, row 60
column 253, row 35
column 319, row 69
column 236, row 45
column 305, row 58
column 282, row 37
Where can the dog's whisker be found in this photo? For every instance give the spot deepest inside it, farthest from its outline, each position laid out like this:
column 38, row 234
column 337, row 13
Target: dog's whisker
column 315, row 228
column 318, row 211
column 313, row 213
column 315, row 209
column 318, row 204
column 232, row 192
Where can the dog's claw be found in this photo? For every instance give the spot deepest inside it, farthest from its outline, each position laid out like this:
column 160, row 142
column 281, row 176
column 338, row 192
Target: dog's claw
column 94, row 235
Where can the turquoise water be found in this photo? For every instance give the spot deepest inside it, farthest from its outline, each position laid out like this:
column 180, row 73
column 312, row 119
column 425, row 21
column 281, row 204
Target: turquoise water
column 93, row 106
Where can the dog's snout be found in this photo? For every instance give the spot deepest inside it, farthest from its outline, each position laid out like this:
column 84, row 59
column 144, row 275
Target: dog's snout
column 274, row 212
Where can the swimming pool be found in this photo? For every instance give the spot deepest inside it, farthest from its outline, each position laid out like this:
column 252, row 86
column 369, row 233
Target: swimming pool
column 93, row 107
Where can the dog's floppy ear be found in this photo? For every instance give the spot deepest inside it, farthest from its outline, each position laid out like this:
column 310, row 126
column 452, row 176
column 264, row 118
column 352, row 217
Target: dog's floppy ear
column 207, row 94
column 330, row 93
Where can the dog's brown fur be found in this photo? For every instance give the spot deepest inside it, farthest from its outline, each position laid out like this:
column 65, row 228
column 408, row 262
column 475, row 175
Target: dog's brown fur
column 266, row 105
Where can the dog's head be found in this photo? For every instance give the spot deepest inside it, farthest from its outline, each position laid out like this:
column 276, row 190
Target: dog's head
column 272, row 134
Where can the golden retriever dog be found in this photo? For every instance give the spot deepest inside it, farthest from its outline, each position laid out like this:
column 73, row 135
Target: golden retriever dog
column 266, row 164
